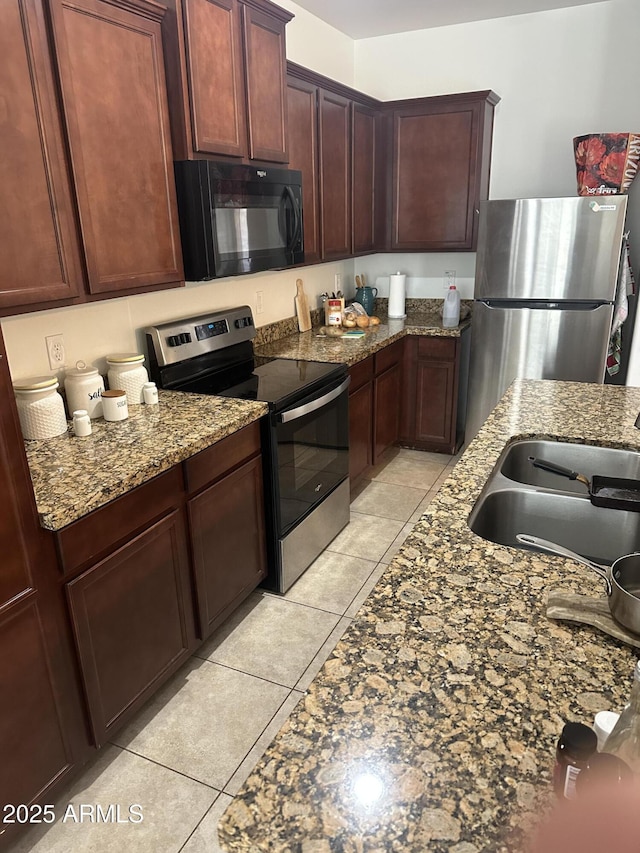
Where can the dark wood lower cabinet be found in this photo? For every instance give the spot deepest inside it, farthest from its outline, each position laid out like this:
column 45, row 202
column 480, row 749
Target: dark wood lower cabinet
column 33, row 744
column 434, row 392
column 386, row 398
column 226, row 520
column 133, row 622
column 374, row 408
column 43, row 734
column 360, row 421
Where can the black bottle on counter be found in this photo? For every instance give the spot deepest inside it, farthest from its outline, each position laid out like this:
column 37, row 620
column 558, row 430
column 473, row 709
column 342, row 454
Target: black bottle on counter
column 576, row 745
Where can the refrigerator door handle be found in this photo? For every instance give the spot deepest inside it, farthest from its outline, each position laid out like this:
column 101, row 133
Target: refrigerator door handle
column 543, row 305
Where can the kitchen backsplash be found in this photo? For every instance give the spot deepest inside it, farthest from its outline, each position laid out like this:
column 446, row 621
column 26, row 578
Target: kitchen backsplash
column 92, row 331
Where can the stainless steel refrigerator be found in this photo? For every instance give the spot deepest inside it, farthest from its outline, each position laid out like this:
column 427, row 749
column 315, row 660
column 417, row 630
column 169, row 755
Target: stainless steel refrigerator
column 546, row 276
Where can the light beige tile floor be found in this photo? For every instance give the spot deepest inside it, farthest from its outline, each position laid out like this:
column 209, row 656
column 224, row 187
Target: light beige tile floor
column 189, row 750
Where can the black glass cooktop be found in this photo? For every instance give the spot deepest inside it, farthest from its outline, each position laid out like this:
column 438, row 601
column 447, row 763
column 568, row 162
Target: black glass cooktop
column 276, row 382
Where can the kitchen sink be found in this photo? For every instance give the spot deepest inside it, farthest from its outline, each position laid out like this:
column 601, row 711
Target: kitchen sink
column 584, row 458
column 519, row 498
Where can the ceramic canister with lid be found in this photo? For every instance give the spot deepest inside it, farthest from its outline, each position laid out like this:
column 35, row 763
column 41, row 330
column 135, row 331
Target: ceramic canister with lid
column 40, row 407
column 127, row 373
column 83, row 387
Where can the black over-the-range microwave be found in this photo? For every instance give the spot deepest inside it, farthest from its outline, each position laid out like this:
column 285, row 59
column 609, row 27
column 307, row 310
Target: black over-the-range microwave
column 237, row 219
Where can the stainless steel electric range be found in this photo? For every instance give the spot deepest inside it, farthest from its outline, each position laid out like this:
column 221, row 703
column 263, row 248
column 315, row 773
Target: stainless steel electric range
column 305, row 436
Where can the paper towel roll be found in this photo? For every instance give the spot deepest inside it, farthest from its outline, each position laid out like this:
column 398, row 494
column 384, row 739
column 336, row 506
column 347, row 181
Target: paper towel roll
column 397, row 296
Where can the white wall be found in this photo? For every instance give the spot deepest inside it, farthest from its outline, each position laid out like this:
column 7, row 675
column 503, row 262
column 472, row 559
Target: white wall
column 319, row 46
column 559, row 74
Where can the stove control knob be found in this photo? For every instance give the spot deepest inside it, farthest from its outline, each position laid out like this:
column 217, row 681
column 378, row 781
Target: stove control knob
column 173, row 340
column 185, row 338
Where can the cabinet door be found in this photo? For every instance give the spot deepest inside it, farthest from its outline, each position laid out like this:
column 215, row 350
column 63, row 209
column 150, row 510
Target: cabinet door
column 386, row 408
column 39, row 247
column 266, row 69
column 363, row 179
column 40, row 716
column 360, row 431
column 429, row 393
column 441, row 170
column 434, row 401
column 112, row 77
column 216, row 76
column 229, row 544
column 131, row 615
column 302, row 133
column 335, row 175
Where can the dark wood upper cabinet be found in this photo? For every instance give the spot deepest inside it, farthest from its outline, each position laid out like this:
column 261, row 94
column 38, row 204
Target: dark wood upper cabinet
column 364, row 152
column 226, row 71
column 39, row 248
column 266, row 72
column 111, row 68
column 334, row 113
column 216, row 78
column 441, row 162
column 302, row 102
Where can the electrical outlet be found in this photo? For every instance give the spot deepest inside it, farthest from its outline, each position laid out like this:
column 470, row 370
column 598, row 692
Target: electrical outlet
column 55, row 351
column 449, row 278
column 259, row 302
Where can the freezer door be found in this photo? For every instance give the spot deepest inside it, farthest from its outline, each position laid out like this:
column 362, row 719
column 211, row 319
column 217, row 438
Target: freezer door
column 549, row 248
column 532, row 341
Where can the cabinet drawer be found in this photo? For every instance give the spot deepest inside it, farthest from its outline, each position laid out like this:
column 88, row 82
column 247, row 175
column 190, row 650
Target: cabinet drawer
column 210, row 464
column 360, row 374
column 387, row 357
column 440, row 348
column 102, row 530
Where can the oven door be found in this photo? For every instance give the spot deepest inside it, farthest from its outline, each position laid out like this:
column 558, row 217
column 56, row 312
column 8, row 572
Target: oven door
column 311, row 458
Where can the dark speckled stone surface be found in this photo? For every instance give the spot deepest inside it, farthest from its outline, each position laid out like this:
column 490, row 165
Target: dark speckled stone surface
column 72, row 476
column 311, row 346
column 432, row 727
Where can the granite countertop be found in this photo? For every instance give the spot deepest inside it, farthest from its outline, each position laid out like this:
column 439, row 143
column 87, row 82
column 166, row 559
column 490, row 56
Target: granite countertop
column 433, row 725
column 311, row 346
column 72, row 476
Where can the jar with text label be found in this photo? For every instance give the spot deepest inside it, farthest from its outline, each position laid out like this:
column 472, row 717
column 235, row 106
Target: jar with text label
column 127, row 373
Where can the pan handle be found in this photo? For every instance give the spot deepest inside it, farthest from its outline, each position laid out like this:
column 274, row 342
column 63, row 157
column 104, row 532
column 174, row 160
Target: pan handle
column 545, row 465
column 553, row 548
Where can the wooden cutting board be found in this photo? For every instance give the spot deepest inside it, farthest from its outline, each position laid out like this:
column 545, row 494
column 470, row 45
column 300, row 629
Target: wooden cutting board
column 302, row 307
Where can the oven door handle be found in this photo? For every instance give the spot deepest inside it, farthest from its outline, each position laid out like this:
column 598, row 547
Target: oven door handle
column 301, row 411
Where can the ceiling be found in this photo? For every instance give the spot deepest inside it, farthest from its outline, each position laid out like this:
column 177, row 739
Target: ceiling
column 367, row 18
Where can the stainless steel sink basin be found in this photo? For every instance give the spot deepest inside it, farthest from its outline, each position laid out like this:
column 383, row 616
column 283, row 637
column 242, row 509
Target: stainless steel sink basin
column 584, row 458
column 519, row 498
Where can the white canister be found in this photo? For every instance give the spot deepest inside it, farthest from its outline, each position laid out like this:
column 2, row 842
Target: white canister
column 150, row 393
column 84, row 386
column 40, row 407
column 114, row 405
column 128, row 373
column 81, row 423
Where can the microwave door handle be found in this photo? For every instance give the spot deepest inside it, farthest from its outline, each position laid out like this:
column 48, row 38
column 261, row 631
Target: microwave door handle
column 301, row 411
column 296, row 213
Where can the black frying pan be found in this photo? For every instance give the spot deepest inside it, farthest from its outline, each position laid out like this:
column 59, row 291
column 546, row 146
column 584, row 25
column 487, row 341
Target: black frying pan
column 610, row 492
